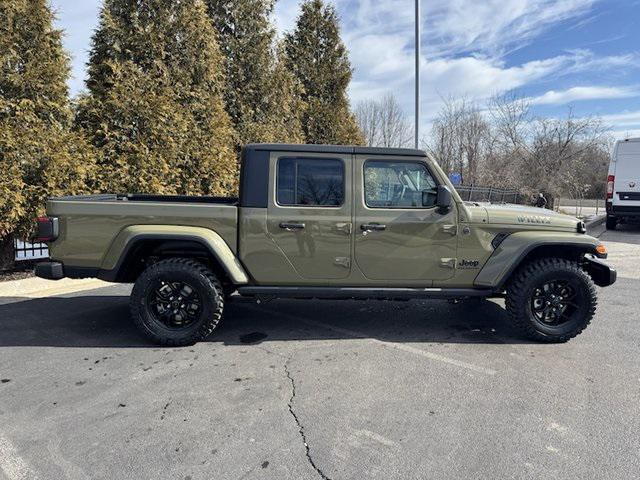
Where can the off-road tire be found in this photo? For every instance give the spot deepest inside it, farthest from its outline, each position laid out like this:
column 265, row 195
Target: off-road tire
column 611, row 222
column 531, row 276
column 203, row 281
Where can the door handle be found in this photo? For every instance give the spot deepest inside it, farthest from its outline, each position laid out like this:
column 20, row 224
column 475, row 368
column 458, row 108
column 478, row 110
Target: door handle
column 291, row 226
column 372, row 227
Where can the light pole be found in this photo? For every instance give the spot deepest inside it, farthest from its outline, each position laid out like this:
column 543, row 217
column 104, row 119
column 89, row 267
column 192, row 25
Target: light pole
column 417, row 106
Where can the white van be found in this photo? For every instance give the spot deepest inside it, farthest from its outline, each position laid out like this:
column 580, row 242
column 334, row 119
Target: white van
column 623, row 183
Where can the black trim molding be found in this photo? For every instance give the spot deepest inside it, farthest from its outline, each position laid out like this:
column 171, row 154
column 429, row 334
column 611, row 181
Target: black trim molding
column 363, row 292
column 254, row 178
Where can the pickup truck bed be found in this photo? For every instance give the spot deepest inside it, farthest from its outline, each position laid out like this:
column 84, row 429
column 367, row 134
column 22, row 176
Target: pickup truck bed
column 95, row 222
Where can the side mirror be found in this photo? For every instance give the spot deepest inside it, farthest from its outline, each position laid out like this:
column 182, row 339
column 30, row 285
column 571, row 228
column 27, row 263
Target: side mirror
column 444, row 200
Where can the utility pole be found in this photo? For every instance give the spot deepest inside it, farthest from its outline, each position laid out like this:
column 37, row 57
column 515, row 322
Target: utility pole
column 417, row 106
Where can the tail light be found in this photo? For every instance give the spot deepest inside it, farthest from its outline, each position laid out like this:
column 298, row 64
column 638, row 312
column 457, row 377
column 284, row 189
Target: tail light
column 47, row 230
column 610, row 180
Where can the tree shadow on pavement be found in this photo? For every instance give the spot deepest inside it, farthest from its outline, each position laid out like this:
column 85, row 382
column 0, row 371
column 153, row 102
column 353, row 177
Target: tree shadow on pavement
column 82, row 321
column 103, row 321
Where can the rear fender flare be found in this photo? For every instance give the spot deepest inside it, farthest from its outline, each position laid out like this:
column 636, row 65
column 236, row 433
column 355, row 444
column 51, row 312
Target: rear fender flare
column 127, row 239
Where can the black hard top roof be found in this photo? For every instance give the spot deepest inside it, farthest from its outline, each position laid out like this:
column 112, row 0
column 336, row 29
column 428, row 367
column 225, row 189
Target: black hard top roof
column 289, row 147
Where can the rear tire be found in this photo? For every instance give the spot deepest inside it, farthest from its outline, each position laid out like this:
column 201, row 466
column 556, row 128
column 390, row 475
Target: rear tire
column 612, row 222
column 177, row 302
column 551, row 300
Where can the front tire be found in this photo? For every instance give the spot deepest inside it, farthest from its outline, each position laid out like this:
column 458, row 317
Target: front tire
column 611, row 222
column 177, row 302
column 551, row 300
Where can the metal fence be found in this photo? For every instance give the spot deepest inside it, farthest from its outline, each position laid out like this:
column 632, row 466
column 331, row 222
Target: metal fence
column 29, row 251
column 490, row 194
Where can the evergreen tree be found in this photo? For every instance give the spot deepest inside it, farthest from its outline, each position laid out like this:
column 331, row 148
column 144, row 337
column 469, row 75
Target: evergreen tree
column 319, row 59
column 39, row 154
column 283, row 109
column 260, row 89
column 154, row 109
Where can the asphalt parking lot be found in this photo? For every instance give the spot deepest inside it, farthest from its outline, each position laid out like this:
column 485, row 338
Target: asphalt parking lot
column 313, row 390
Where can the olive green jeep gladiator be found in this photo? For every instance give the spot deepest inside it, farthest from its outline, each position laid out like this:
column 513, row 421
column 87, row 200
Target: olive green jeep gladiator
column 329, row 222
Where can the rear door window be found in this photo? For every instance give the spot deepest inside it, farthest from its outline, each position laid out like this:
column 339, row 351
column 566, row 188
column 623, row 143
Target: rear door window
column 309, row 182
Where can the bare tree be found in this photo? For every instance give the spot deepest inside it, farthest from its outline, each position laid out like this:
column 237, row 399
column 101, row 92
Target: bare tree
column 461, row 138
column 368, row 117
column 504, row 146
column 510, row 116
column 394, row 129
column 383, row 122
column 558, row 148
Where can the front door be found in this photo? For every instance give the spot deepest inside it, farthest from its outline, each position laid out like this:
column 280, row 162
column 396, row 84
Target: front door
column 397, row 238
column 309, row 215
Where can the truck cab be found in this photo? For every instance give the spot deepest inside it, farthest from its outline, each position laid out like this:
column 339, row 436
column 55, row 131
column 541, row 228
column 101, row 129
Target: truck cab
column 329, row 213
column 322, row 221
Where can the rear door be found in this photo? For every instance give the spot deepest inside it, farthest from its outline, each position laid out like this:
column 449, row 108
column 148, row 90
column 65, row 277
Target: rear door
column 397, row 239
column 627, row 175
column 309, row 213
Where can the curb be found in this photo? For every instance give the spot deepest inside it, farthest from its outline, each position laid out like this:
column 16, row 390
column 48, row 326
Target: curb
column 599, row 220
column 595, row 226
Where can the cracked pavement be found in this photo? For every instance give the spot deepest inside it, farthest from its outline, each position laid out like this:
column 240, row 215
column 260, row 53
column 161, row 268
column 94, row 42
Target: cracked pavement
column 300, row 426
column 312, row 390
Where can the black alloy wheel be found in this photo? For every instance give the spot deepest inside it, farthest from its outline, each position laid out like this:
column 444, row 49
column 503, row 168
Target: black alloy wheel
column 174, row 304
column 554, row 302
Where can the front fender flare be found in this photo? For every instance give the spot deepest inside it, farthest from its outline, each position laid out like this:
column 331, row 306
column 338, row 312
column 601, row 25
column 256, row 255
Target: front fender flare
column 127, row 238
column 514, row 249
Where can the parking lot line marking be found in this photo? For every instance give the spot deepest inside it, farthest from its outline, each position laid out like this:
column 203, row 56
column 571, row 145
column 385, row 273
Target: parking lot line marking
column 398, row 346
column 403, row 347
column 11, row 464
column 375, row 437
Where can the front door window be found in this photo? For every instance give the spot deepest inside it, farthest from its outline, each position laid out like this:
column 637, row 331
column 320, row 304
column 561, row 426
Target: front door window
column 397, row 184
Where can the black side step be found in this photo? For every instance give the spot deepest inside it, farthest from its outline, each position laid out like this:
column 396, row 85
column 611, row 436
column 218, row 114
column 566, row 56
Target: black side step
column 338, row 293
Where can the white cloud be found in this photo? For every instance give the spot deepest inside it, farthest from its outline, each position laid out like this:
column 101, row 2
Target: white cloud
column 494, row 26
column 624, row 134
column 465, row 42
column 587, row 61
column 624, row 124
column 623, row 119
column 473, row 77
column 574, row 94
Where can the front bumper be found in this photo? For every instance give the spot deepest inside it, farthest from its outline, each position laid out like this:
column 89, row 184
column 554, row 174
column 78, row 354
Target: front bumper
column 601, row 273
column 50, row 270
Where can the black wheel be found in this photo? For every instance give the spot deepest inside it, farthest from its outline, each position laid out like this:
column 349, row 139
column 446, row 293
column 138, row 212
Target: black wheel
column 551, row 300
column 612, row 222
column 177, row 302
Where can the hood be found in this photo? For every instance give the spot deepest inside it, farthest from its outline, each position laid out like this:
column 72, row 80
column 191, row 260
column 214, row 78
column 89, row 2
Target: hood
column 508, row 214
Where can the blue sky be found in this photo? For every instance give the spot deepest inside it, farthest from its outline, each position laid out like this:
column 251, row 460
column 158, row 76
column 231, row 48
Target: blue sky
column 558, row 53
